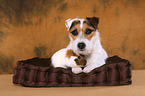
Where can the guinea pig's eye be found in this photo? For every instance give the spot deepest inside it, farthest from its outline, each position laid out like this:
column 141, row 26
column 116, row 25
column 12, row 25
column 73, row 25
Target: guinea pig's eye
column 74, row 32
column 79, row 57
column 88, row 31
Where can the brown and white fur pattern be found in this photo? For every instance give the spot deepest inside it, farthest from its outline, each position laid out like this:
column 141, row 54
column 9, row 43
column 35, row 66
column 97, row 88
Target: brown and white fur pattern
column 84, row 40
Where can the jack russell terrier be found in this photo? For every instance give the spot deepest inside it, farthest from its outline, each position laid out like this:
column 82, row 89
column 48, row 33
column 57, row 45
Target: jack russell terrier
column 84, row 50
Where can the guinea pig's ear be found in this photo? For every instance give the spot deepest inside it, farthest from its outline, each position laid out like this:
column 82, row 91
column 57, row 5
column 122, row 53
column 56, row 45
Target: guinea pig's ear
column 93, row 21
column 68, row 23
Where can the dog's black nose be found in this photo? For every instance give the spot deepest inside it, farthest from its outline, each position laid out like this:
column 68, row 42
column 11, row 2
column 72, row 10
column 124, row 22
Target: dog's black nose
column 81, row 45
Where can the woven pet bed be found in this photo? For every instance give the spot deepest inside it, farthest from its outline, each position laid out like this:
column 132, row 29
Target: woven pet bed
column 38, row 72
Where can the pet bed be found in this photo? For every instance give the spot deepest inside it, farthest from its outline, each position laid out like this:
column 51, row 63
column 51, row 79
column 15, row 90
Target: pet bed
column 38, row 72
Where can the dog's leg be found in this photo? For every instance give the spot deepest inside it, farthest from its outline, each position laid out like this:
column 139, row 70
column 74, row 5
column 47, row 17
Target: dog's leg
column 72, row 63
column 89, row 68
column 96, row 59
column 92, row 65
column 77, row 70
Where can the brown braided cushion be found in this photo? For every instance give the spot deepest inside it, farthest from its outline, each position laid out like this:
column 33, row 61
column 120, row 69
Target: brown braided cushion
column 37, row 72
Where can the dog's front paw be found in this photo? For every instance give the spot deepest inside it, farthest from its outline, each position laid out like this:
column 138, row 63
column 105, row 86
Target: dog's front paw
column 87, row 69
column 77, row 70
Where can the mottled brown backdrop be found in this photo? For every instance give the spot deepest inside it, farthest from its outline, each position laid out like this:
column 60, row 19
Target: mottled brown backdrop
column 35, row 28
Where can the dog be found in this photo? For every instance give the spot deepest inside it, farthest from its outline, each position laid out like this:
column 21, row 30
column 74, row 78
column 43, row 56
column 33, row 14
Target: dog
column 85, row 43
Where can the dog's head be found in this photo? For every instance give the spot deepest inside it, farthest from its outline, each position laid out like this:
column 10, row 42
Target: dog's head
column 83, row 34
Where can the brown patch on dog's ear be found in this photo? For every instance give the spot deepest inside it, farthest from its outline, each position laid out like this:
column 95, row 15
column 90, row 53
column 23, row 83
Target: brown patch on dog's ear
column 74, row 23
column 70, row 53
column 93, row 21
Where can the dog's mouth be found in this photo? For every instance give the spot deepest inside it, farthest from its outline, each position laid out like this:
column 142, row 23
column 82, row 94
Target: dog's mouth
column 81, row 49
column 82, row 52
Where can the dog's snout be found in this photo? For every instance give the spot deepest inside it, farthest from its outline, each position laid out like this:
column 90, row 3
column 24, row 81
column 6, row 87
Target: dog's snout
column 81, row 45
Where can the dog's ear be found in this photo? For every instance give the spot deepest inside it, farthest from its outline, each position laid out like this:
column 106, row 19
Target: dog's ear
column 93, row 21
column 68, row 23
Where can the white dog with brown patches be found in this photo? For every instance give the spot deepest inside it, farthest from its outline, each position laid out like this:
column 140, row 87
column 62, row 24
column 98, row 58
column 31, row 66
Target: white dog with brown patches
column 85, row 41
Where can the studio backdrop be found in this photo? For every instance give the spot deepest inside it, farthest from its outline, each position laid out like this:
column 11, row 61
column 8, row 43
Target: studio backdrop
column 36, row 28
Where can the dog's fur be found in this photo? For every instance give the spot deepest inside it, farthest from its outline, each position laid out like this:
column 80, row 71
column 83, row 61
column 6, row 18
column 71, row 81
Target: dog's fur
column 84, row 31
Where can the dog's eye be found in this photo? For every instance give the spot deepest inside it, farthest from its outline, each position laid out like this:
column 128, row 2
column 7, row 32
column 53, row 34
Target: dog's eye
column 74, row 32
column 88, row 31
